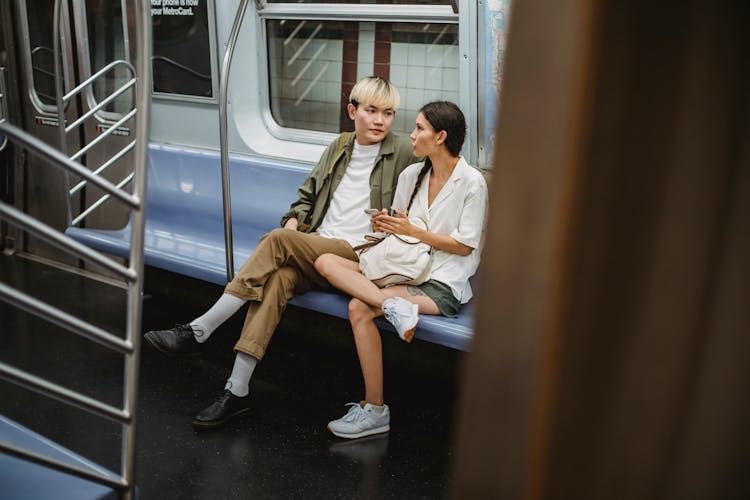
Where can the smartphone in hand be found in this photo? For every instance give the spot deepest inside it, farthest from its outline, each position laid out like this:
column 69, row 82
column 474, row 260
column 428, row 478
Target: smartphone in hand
column 372, row 211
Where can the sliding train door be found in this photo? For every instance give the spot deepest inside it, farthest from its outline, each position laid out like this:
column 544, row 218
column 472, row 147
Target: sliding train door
column 94, row 88
column 39, row 188
column 6, row 150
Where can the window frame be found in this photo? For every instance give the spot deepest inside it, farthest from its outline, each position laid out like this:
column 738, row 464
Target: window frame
column 465, row 19
column 214, row 54
column 36, row 101
column 81, row 20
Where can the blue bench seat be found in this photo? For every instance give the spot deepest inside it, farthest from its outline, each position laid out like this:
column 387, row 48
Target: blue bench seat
column 185, row 233
column 21, row 478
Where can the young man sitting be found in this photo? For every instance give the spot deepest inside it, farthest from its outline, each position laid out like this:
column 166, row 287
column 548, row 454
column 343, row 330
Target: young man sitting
column 358, row 170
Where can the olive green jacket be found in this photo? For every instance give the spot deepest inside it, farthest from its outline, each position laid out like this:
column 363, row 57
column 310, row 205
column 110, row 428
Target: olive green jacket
column 314, row 195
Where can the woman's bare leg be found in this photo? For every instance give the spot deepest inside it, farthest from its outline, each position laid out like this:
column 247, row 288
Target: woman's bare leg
column 369, row 348
column 367, row 336
column 364, row 307
column 344, row 274
column 414, row 295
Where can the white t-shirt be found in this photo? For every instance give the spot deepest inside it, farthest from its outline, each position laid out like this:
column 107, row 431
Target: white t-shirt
column 346, row 218
column 459, row 210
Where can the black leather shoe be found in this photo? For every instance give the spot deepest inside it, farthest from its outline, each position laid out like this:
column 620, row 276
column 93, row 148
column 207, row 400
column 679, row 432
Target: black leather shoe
column 225, row 408
column 177, row 342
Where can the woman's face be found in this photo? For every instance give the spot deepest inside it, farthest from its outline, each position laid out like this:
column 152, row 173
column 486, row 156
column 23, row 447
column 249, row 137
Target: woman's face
column 424, row 139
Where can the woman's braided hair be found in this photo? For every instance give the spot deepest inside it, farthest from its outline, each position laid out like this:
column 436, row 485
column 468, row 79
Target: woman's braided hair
column 442, row 115
column 426, row 168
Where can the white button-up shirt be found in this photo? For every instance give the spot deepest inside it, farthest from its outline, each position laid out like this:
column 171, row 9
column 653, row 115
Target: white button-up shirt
column 459, row 210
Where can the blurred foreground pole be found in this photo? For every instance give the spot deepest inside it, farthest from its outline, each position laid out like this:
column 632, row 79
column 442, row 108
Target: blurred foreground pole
column 612, row 354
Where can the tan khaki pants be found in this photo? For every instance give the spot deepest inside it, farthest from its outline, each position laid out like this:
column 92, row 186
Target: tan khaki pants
column 281, row 265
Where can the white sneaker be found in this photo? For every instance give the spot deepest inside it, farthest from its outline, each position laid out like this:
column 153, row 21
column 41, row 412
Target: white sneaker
column 361, row 421
column 403, row 315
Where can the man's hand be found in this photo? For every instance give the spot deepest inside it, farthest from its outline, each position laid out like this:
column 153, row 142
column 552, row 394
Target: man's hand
column 291, row 224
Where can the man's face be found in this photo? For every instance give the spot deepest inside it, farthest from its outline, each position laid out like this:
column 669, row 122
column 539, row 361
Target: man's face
column 371, row 123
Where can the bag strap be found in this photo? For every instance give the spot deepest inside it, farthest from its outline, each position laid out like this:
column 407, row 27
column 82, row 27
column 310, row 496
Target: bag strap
column 425, row 274
column 365, row 246
column 372, row 243
column 407, row 241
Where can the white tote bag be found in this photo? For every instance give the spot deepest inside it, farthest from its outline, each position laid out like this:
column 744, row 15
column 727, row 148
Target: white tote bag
column 397, row 260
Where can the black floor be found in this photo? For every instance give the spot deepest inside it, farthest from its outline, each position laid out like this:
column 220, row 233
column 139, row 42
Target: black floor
column 281, row 449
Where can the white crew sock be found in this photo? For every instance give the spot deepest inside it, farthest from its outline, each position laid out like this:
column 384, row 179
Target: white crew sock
column 221, row 311
column 239, row 381
column 377, row 409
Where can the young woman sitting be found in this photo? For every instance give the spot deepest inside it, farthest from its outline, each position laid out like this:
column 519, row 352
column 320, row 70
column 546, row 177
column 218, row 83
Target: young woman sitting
column 450, row 198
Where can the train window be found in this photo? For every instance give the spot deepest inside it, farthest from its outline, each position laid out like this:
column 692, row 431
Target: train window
column 313, row 66
column 182, row 48
column 313, row 63
column 106, row 44
column 39, row 20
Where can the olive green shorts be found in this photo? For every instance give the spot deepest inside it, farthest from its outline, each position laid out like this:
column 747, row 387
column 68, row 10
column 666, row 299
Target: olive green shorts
column 442, row 295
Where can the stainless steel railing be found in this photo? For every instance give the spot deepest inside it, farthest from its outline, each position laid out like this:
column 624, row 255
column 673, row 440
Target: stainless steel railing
column 3, row 106
column 131, row 273
column 62, row 103
column 223, row 140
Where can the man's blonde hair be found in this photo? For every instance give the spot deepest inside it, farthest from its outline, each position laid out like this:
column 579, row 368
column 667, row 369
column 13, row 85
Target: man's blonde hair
column 375, row 91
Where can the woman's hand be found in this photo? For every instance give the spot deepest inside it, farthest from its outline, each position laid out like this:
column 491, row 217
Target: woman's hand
column 398, row 224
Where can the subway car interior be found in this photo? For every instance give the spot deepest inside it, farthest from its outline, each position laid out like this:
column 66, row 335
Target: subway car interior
column 146, row 147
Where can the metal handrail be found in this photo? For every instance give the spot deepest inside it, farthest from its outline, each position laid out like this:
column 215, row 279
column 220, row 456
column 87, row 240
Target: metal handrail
column 223, row 141
column 56, row 157
column 101, row 200
column 130, row 346
column 42, row 386
column 138, row 225
column 114, row 95
column 66, row 320
column 62, row 101
column 88, row 81
column 106, row 133
column 64, row 242
column 114, row 482
column 104, row 166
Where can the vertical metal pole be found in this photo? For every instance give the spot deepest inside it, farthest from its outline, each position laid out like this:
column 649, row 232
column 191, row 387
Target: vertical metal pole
column 57, row 33
column 59, row 77
column 138, row 221
column 3, row 106
column 224, row 144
